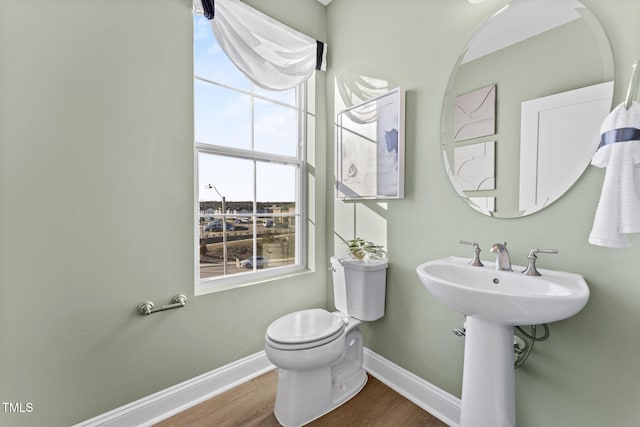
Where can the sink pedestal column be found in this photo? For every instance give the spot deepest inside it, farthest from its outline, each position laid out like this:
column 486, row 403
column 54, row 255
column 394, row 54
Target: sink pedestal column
column 488, row 383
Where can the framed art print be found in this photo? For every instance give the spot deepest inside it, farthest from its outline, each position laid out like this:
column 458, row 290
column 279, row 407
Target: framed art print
column 370, row 149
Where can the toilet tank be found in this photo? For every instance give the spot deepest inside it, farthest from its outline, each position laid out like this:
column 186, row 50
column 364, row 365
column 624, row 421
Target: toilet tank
column 359, row 288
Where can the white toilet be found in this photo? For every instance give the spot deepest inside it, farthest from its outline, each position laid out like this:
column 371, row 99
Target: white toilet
column 319, row 354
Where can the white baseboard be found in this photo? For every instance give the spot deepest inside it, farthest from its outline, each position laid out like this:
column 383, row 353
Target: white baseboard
column 432, row 399
column 166, row 403
column 162, row 405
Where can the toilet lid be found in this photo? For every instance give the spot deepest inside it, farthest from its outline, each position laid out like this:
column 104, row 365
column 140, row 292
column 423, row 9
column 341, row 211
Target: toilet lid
column 305, row 326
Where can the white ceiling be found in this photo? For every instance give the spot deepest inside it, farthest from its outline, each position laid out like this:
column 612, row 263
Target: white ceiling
column 325, row 2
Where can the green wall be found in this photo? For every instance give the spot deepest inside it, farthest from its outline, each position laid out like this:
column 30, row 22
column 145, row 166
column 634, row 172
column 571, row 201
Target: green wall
column 96, row 209
column 586, row 374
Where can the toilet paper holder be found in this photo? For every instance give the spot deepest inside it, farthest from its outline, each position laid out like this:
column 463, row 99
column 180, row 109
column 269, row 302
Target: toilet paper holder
column 147, row 308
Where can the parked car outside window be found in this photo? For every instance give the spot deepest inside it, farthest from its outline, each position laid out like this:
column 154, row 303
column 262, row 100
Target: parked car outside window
column 217, row 226
column 261, row 262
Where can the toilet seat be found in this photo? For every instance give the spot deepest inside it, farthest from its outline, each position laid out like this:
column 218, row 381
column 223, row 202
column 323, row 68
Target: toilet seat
column 305, row 329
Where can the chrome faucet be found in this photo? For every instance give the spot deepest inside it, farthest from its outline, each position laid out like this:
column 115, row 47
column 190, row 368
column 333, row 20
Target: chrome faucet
column 503, row 260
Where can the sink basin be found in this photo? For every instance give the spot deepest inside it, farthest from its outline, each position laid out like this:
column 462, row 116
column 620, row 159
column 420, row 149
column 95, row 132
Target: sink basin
column 504, row 297
column 494, row 302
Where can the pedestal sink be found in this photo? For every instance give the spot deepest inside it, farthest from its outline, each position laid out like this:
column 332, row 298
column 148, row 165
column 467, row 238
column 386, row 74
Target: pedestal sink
column 494, row 302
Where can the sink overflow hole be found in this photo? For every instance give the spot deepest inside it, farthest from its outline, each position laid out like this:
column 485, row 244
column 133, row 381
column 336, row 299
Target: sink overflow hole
column 496, row 281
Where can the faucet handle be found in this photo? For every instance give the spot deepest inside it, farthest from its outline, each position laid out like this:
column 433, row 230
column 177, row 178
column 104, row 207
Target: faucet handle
column 476, row 253
column 531, row 269
column 533, row 252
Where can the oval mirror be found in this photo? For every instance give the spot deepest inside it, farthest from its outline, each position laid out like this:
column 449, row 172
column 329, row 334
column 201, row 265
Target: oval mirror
column 522, row 112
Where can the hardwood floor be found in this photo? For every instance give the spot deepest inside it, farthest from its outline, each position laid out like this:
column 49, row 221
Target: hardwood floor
column 251, row 404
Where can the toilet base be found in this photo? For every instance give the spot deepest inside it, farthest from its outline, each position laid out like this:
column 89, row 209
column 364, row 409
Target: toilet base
column 309, row 401
column 303, row 396
column 341, row 394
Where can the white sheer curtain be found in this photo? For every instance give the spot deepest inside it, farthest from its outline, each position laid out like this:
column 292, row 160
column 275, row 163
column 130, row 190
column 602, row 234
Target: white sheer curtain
column 271, row 54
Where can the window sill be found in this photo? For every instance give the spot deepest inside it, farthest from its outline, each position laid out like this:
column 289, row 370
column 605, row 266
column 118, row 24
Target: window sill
column 204, row 287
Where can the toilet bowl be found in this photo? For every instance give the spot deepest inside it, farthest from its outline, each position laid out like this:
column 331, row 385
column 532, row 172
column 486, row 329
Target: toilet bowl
column 320, row 354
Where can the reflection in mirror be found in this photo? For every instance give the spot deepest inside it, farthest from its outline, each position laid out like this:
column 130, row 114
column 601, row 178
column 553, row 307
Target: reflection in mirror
column 523, row 106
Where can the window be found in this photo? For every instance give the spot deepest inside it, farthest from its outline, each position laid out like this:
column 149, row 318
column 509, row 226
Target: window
column 250, row 168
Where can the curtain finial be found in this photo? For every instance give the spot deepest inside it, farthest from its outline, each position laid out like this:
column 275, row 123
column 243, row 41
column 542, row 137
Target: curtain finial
column 320, row 56
column 208, row 8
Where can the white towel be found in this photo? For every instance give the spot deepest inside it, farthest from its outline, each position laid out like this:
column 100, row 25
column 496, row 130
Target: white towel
column 618, row 211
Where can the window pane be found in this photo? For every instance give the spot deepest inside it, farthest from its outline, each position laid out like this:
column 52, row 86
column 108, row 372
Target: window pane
column 276, row 128
column 278, row 242
column 276, row 185
column 230, row 176
column 209, row 60
column 276, row 194
column 222, row 116
column 233, row 178
column 286, row 96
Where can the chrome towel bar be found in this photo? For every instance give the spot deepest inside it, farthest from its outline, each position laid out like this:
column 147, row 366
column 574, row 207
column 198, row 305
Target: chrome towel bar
column 146, row 308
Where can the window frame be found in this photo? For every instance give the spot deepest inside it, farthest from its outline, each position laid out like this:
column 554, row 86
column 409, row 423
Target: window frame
column 220, row 283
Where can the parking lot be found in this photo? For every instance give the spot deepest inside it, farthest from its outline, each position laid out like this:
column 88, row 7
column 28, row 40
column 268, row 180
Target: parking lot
column 275, row 241
column 214, row 227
